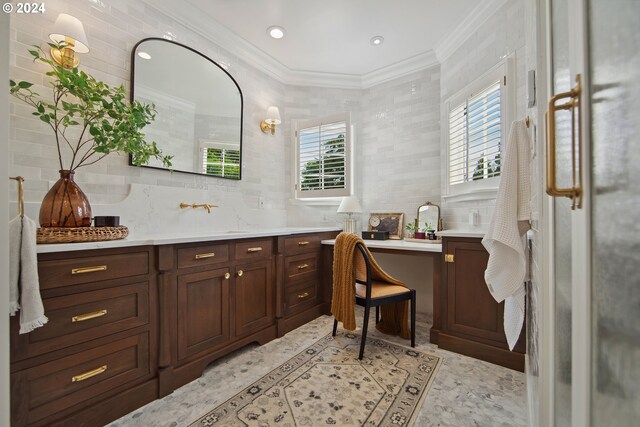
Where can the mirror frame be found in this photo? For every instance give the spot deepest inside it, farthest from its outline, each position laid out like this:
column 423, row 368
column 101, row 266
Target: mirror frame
column 428, row 203
column 132, row 93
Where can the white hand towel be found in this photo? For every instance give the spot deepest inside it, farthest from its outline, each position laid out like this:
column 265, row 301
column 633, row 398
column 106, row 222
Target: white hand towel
column 24, row 265
column 15, row 242
column 504, row 241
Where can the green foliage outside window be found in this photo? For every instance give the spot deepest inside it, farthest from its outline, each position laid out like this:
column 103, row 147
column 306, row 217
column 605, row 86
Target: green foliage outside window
column 326, row 171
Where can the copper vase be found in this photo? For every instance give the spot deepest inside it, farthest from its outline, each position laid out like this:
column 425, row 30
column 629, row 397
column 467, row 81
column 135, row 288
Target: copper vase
column 65, row 205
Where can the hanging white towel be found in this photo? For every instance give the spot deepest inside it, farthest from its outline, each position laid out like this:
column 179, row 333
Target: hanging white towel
column 504, row 240
column 24, row 286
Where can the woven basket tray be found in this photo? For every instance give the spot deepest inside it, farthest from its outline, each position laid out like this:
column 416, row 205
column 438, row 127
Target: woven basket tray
column 81, row 234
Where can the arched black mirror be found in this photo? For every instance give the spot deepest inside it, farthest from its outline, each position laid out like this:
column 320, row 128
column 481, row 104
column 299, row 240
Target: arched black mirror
column 199, row 107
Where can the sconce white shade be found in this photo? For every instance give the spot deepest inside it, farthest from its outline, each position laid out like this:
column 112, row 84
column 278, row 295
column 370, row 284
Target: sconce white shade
column 71, row 27
column 350, row 205
column 273, row 116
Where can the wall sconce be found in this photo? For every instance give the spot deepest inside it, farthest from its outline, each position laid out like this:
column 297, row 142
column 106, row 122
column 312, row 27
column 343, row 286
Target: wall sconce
column 350, row 205
column 273, row 119
column 68, row 30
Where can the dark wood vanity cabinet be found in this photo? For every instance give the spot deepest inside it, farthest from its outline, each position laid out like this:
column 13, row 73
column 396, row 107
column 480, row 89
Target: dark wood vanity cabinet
column 96, row 358
column 301, row 266
column 129, row 325
column 215, row 297
column 471, row 320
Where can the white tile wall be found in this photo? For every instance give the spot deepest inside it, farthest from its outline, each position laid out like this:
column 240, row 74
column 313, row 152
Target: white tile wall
column 502, row 34
column 112, row 32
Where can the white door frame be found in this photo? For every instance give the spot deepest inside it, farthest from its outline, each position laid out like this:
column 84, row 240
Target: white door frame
column 580, row 231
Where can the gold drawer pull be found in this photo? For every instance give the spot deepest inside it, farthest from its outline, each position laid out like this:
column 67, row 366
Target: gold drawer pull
column 89, row 374
column 303, row 243
column 203, row 256
column 304, row 295
column 240, row 273
column 303, row 266
column 227, row 276
column 88, row 316
column 93, row 269
column 256, row 249
column 448, row 257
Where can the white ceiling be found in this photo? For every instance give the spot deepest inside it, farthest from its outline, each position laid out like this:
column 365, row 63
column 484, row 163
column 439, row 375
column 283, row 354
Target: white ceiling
column 332, row 36
column 327, row 41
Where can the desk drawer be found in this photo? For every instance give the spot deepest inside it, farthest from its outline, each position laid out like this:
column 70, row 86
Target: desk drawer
column 73, row 271
column 301, row 243
column 299, row 297
column 303, row 266
column 254, row 249
column 85, row 316
column 203, row 255
column 60, row 384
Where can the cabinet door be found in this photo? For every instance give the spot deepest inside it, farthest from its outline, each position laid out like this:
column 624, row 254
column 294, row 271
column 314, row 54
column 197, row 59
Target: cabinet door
column 471, row 310
column 203, row 311
column 253, row 296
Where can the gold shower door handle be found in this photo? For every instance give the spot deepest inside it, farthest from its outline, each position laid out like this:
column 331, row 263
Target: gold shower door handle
column 575, row 191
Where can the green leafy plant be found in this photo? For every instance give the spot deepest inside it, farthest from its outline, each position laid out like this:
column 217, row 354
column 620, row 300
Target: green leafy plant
column 428, row 228
column 88, row 117
column 411, row 227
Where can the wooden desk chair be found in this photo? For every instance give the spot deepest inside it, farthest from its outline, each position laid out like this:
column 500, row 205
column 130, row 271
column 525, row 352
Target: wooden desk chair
column 370, row 293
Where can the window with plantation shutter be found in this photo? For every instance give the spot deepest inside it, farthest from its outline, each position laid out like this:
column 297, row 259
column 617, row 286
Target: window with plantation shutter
column 476, row 122
column 220, row 159
column 323, row 160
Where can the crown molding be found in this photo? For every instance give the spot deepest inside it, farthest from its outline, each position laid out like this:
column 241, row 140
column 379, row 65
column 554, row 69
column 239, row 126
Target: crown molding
column 199, row 22
column 465, row 29
column 399, row 69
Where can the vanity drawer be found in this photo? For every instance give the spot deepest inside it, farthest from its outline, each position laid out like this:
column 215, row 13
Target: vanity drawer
column 301, row 244
column 302, row 296
column 73, row 271
column 60, row 384
column 254, row 249
column 203, row 255
column 299, row 267
column 85, row 316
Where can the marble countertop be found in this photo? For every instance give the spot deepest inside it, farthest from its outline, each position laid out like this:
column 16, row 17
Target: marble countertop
column 167, row 239
column 462, row 233
column 397, row 245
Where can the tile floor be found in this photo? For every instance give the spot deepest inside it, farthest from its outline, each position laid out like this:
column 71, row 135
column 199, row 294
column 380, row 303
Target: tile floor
column 466, row 391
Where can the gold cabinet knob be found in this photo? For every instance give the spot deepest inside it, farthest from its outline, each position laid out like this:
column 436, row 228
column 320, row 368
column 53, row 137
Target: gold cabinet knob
column 227, row 275
column 240, row 273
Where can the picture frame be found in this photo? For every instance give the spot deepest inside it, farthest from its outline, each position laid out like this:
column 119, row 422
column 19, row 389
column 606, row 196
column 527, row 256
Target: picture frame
column 391, row 222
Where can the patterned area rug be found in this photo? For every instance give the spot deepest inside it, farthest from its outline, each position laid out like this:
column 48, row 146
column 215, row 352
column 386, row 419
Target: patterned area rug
column 326, row 385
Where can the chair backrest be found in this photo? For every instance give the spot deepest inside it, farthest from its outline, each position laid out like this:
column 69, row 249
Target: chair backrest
column 362, row 267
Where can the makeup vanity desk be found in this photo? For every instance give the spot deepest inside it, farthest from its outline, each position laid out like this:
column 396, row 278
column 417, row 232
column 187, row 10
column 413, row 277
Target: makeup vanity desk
column 430, row 250
column 466, row 318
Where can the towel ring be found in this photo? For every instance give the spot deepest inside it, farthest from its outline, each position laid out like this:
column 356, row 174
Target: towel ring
column 20, row 194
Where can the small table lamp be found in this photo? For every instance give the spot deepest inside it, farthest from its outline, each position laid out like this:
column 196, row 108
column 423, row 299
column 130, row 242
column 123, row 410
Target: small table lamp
column 350, row 205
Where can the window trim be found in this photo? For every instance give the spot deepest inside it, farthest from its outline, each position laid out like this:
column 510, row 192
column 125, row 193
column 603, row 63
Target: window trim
column 486, row 188
column 331, row 196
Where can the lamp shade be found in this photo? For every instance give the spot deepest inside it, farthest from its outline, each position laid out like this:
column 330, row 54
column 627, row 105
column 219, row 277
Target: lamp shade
column 350, row 204
column 71, row 27
column 273, row 116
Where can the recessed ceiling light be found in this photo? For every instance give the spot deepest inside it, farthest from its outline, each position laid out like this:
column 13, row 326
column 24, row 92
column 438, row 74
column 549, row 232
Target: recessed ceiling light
column 276, row 32
column 144, row 55
column 377, row 40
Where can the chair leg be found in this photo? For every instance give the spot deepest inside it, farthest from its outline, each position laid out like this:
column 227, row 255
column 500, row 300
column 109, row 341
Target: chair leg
column 335, row 326
column 365, row 325
column 413, row 318
column 377, row 314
